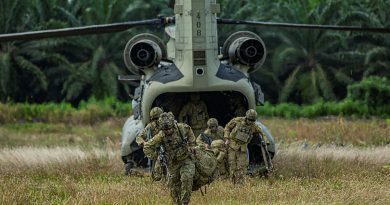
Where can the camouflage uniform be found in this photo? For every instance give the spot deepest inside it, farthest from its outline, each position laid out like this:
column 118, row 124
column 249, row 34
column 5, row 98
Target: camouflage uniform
column 239, row 132
column 237, row 107
column 195, row 114
column 220, row 152
column 213, row 132
column 146, row 134
column 177, row 139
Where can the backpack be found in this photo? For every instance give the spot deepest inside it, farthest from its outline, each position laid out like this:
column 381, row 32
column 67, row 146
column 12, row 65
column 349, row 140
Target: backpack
column 205, row 167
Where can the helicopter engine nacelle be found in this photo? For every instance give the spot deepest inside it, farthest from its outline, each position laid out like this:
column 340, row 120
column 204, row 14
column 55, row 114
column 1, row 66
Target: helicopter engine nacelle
column 143, row 53
column 245, row 48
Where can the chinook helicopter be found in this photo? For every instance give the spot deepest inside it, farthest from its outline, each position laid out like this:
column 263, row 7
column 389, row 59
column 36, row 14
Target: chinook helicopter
column 190, row 62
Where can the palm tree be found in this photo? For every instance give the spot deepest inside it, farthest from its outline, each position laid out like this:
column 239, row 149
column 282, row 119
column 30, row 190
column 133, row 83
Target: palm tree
column 377, row 58
column 99, row 59
column 308, row 62
column 22, row 64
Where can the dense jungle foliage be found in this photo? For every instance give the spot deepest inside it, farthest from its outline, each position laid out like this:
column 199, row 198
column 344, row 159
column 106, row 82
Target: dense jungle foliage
column 302, row 66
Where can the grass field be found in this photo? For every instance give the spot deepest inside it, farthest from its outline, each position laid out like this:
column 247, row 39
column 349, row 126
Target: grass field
column 343, row 162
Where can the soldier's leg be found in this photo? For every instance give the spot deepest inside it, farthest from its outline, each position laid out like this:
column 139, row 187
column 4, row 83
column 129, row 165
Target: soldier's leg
column 242, row 165
column 156, row 172
column 187, row 172
column 232, row 164
column 174, row 184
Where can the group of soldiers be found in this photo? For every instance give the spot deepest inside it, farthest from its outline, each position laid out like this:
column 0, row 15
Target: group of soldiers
column 229, row 145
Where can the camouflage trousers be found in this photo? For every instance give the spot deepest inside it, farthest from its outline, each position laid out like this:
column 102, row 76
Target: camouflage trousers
column 222, row 168
column 238, row 163
column 180, row 181
column 157, row 172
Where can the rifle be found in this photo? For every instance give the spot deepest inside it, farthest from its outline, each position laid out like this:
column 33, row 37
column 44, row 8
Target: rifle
column 264, row 151
column 163, row 161
column 206, row 138
column 148, row 137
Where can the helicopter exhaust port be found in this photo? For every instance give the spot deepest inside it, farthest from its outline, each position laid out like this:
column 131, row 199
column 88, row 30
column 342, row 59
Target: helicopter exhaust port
column 245, row 48
column 144, row 52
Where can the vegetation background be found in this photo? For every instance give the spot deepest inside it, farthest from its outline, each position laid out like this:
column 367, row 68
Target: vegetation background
column 303, row 66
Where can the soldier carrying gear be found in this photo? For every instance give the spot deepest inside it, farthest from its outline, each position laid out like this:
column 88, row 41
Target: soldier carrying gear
column 219, row 149
column 178, row 141
column 146, row 134
column 239, row 132
column 213, row 132
column 195, row 114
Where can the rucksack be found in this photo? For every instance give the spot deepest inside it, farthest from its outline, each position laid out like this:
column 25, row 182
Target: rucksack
column 205, row 167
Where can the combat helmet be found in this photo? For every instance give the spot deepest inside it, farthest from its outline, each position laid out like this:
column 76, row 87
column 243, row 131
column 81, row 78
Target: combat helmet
column 251, row 115
column 155, row 113
column 212, row 122
column 166, row 120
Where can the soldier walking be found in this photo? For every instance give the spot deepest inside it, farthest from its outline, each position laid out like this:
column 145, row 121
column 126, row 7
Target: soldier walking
column 239, row 132
column 146, row 134
column 213, row 132
column 212, row 138
column 177, row 140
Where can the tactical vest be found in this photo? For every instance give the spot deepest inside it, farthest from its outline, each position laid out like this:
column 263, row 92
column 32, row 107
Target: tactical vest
column 241, row 133
column 176, row 145
column 198, row 117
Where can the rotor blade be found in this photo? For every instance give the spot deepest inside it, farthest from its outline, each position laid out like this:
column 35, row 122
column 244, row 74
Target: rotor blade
column 305, row 26
column 78, row 31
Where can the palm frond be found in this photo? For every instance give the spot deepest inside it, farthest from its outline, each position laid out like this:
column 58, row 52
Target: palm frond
column 324, row 84
column 377, row 53
column 290, row 85
column 33, row 69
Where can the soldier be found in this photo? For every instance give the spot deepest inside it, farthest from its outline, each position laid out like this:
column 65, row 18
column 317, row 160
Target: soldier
column 220, row 152
column 195, row 114
column 239, row 132
column 146, row 134
column 177, row 140
column 236, row 107
column 150, row 129
column 213, row 132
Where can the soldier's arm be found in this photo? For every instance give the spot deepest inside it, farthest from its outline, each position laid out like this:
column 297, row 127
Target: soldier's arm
column 140, row 139
column 190, row 135
column 183, row 113
column 204, row 107
column 221, row 156
column 199, row 141
column 151, row 145
column 220, row 132
column 258, row 130
column 229, row 127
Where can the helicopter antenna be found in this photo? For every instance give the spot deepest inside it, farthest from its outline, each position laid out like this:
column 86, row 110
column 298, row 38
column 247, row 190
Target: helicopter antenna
column 304, row 26
column 84, row 30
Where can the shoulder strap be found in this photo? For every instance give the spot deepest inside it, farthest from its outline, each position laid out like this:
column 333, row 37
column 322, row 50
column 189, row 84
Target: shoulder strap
column 205, row 138
column 180, row 134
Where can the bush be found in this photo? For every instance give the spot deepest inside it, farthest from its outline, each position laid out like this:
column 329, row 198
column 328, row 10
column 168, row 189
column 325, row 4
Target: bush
column 373, row 91
column 87, row 112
